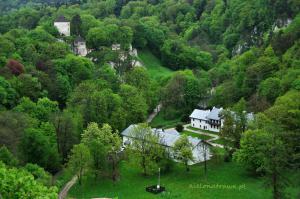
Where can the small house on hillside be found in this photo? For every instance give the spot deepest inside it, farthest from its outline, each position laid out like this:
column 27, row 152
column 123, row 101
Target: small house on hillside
column 168, row 138
column 123, row 56
column 62, row 25
column 80, row 46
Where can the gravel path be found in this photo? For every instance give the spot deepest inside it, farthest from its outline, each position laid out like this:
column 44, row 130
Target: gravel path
column 214, row 136
column 64, row 192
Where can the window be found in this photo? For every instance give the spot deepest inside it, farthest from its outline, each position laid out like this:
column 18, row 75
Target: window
column 200, row 126
column 193, row 124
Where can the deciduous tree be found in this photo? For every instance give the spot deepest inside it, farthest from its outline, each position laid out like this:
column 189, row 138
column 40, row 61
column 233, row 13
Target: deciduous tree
column 80, row 161
column 183, row 151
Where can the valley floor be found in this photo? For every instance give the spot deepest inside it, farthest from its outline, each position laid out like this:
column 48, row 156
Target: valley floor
column 224, row 180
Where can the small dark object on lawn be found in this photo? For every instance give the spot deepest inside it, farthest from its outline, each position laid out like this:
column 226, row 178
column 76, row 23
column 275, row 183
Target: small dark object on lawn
column 179, row 127
column 155, row 189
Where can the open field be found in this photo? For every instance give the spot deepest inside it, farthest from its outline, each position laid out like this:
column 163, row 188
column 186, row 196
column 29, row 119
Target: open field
column 200, row 136
column 224, row 180
column 153, row 65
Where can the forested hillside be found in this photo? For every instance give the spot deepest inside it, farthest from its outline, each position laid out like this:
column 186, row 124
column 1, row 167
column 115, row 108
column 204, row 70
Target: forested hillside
column 237, row 54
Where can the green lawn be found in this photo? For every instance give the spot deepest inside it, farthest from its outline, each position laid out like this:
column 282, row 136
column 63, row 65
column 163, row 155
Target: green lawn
column 202, row 137
column 206, row 131
column 160, row 122
column 224, row 180
column 219, row 141
column 153, row 65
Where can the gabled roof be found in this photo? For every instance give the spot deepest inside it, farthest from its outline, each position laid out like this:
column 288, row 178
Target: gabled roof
column 215, row 114
column 61, row 18
column 200, row 114
column 167, row 137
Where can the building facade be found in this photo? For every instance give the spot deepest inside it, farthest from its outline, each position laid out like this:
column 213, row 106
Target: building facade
column 167, row 139
column 80, row 47
column 207, row 119
column 63, row 26
column 212, row 120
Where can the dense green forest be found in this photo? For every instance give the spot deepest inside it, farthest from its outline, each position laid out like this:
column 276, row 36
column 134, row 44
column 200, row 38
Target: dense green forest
column 236, row 54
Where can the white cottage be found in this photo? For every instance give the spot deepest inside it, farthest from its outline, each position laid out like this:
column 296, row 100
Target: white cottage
column 80, row 47
column 168, row 138
column 211, row 120
column 207, row 119
column 62, row 25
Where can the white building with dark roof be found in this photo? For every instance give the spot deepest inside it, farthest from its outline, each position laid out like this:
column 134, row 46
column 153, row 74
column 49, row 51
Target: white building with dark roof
column 63, row 26
column 210, row 120
column 168, row 139
column 207, row 119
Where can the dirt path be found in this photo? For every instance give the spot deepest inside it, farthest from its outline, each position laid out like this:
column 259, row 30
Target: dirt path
column 214, row 136
column 154, row 113
column 64, row 192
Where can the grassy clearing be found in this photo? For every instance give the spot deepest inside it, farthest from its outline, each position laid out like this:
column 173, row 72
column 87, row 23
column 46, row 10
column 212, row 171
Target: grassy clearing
column 224, row 180
column 219, row 141
column 153, row 65
column 160, row 122
column 200, row 136
column 201, row 130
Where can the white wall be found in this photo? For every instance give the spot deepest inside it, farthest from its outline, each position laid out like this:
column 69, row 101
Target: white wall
column 198, row 152
column 214, row 129
column 196, row 123
column 81, row 49
column 63, row 28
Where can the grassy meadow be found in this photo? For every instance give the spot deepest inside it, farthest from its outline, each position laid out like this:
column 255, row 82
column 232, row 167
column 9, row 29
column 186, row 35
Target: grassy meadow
column 223, row 180
column 153, row 65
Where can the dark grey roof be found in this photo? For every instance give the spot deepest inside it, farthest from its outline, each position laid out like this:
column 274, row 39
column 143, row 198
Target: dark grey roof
column 214, row 113
column 61, row 18
column 167, row 137
column 128, row 130
column 79, row 39
column 200, row 114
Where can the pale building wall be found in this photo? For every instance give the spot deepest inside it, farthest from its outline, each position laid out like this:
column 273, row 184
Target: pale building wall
column 196, row 123
column 63, row 28
column 81, row 49
column 198, row 152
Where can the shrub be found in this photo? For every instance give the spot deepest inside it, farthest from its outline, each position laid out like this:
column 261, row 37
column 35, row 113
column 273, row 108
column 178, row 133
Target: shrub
column 15, row 67
column 179, row 127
